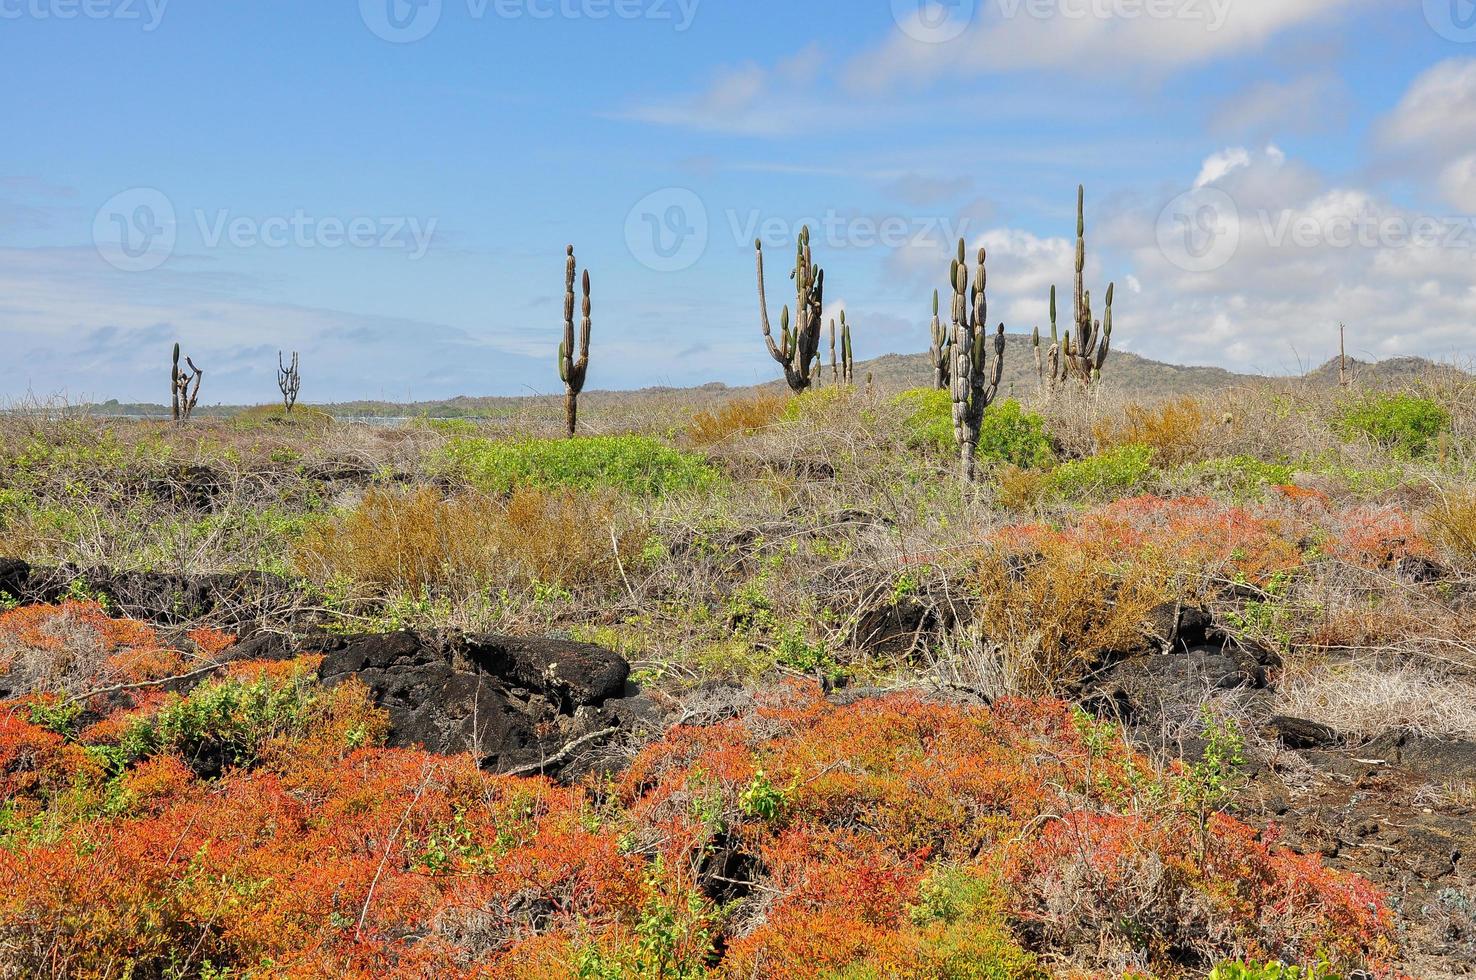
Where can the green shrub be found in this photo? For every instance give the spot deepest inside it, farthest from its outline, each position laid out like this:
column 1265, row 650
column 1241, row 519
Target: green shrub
column 1118, row 472
column 1402, row 423
column 301, row 418
column 1008, row 433
column 817, row 403
column 446, row 427
column 958, row 932
column 1240, row 476
column 1271, row 971
column 229, row 719
column 633, row 464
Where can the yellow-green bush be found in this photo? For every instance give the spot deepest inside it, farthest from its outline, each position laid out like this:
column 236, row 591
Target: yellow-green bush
column 422, row 540
column 631, row 464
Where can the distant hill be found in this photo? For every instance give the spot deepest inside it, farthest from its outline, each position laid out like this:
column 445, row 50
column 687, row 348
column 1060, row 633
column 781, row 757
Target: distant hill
column 1134, row 375
column 1393, row 372
column 1128, row 372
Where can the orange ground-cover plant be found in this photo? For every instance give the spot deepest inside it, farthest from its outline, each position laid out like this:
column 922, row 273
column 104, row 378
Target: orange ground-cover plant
column 895, row 836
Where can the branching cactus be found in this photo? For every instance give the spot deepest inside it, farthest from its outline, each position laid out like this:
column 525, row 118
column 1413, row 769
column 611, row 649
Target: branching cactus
column 938, row 353
column 289, row 379
column 798, row 350
column 184, row 387
column 1088, row 340
column 974, row 380
column 571, row 371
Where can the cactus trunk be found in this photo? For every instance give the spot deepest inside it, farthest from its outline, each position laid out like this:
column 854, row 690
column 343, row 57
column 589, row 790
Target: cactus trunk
column 974, row 382
column 572, row 371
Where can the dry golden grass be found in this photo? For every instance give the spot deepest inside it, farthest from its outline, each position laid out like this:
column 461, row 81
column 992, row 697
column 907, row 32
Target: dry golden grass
column 1020, row 489
column 738, row 417
column 1052, row 613
column 422, row 540
column 1452, row 524
column 1178, row 430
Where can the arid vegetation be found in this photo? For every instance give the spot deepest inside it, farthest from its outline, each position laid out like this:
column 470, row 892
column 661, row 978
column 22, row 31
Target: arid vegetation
column 911, row 726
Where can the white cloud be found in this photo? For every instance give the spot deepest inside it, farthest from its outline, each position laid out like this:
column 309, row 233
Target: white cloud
column 1268, row 109
column 1439, row 108
column 1068, row 35
column 1309, row 255
column 1217, row 165
column 1431, row 132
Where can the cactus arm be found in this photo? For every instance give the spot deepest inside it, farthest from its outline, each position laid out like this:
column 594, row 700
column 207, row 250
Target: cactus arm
column 997, row 375
column 780, row 355
column 566, row 348
column 174, row 385
column 1106, row 331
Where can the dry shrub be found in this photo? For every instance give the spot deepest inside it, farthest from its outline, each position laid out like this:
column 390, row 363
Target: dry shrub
column 1177, row 430
column 736, row 418
column 1452, row 524
column 1053, row 612
column 75, row 647
column 422, row 540
column 1366, row 699
column 1020, row 489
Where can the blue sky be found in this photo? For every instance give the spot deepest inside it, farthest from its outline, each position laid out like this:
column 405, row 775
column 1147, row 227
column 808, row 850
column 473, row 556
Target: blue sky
column 248, row 176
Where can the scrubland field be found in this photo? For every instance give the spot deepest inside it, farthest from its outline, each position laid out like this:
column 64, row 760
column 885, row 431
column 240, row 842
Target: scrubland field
column 1179, row 688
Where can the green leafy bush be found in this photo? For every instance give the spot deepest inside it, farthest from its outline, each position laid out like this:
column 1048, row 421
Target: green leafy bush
column 1118, row 472
column 301, row 418
column 1402, row 423
column 1271, row 971
column 228, row 719
column 1240, row 476
column 1008, row 433
column 958, row 932
column 633, row 464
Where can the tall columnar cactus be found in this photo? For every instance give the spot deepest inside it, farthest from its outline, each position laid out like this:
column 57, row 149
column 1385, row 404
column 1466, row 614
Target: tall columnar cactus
column 848, row 354
column 572, row 371
column 974, row 380
column 289, row 379
column 799, row 348
column 184, row 388
column 1088, row 340
column 938, row 353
